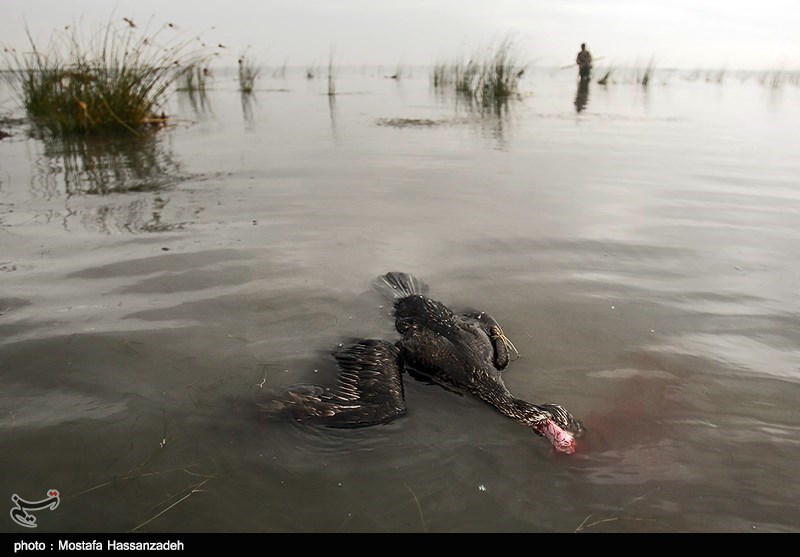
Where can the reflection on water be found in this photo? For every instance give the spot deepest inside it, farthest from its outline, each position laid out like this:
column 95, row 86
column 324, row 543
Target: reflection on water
column 122, row 214
column 108, row 184
column 103, row 165
column 582, row 96
column 493, row 117
column 332, row 115
column 248, row 100
column 196, row 100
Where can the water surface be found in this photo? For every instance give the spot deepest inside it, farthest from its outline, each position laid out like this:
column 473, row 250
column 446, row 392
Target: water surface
column 638, row 245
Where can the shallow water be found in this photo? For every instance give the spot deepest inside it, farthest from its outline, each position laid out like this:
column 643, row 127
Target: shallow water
column 641, row 253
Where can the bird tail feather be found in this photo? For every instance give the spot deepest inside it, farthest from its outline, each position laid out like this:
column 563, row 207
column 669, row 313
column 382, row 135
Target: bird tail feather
column 396, row 285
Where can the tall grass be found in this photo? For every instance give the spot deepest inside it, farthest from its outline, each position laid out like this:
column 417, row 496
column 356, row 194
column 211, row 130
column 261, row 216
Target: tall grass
column 493, row 75
column 503, row 71
column 331, row 76
column 441, row 75
column 193, row 83
column 468, row 76
column 643, row 76
column 248, row 73
column 117, row 80
column 194, row 79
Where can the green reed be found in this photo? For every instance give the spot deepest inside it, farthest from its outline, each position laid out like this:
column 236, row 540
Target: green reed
column 116, row 80
column 493, row 75
column 467, row 77
column 503, row 71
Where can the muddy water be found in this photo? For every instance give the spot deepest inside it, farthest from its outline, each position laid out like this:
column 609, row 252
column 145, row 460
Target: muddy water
column 639, row 246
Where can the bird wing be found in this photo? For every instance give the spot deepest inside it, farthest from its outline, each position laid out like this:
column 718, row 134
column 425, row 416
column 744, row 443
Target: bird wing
column 368, row 390
column 370, row 374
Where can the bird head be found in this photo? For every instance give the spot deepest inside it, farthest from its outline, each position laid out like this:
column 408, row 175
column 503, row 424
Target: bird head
column 560, row 427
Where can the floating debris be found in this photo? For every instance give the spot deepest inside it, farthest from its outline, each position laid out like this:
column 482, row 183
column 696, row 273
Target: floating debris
column 409, row 122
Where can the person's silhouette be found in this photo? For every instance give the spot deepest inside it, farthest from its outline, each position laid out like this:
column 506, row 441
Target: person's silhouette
column 584, row 61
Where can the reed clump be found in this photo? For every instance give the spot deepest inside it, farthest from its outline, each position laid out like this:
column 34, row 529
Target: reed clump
column 194, row 79
column 331, row 75
column 468, row 76
column 248, row 74
column 502, row 71
column 441, row 75
column 778, row 78
column 643, row 76
column 485, row 77
column 117, row 80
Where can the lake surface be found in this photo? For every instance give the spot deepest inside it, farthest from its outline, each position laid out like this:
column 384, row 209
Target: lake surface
column 642, row 253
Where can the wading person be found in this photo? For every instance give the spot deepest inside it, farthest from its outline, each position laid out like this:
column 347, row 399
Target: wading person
column 584, row 61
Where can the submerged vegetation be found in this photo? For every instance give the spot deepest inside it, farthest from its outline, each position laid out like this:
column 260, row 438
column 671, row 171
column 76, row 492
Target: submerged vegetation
column 487, row 77
column 116, row 80
column 410, row 122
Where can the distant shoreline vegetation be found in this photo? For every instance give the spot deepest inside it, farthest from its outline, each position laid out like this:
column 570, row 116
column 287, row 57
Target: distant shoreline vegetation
column 649, row 74
column 117, row 80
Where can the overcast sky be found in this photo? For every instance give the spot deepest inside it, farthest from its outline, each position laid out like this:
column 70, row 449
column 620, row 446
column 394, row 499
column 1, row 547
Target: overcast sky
column 678, row 33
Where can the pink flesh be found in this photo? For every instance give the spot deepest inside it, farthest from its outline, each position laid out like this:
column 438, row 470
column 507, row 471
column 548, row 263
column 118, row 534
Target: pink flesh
column 562, row 440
